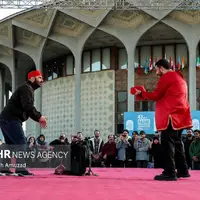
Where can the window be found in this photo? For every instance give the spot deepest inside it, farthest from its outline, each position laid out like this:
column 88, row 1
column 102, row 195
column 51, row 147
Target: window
column 70, row 65
column 96, row 60
column 86, row 61
column 141, row 106
column 58, row 67
column 55, row 71
column 122, row 59
column 121, row 108
column 61, row 70
column 198, row 98
column 106, row 58
column 50, row 73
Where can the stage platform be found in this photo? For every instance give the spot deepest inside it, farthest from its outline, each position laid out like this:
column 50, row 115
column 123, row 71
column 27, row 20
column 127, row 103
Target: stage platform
column 111, row 184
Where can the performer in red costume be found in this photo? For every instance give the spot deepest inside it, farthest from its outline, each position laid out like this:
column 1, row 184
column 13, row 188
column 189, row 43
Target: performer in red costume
column 172, row 115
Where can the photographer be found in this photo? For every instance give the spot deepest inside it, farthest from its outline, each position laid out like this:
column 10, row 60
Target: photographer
column 122, row 146
column 78, row 155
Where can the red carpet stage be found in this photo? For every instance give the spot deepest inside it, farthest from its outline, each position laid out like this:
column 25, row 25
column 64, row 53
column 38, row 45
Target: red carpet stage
column 111, row 184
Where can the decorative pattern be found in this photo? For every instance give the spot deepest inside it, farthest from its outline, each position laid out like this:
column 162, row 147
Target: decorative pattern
column 28, row 38
column 5, row 30
column 121, row 77
column 39, row 18
column 68, row 26
column 5, row 51
column 188, row 17
column 127, row 19
column 98, row 103
column 91, row 13
column 58, row 104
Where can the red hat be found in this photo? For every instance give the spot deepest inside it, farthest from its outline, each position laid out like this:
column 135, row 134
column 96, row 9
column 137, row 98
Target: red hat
column 34, row 74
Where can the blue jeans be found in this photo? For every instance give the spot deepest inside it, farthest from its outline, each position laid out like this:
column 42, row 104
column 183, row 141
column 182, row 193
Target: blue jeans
column 14, row 138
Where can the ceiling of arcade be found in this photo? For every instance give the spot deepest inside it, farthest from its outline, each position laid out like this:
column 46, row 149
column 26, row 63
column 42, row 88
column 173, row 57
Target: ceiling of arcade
column 102, row 39
column 39, row 18
column 159, row 33
column 188, row 17
column 126, row 19
column 53, row 49
column 71, row 26
column 6, row 30
column 25, row 37
column 5, row 51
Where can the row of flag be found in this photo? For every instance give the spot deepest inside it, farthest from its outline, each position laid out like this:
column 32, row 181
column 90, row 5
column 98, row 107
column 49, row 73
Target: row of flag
column 150, row 64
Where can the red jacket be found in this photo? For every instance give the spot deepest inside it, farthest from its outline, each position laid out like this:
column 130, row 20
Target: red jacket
column 171, row 96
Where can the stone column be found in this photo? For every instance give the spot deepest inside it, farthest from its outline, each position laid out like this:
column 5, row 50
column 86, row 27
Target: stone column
column 78, row 91
column 2, row 88
column 192, row 75
column 131, row 78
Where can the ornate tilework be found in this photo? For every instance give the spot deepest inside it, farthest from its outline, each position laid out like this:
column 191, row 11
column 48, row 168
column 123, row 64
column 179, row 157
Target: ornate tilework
column 58, row 104
column 98, row 103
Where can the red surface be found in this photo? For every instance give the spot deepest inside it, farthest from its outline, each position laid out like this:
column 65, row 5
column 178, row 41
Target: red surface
column 111, row 184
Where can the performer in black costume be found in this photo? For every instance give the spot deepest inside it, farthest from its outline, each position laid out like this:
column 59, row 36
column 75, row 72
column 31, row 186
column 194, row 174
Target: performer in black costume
column 19, row 108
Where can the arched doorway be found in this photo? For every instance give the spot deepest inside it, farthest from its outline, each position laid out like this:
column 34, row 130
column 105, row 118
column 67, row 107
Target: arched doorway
column 58, row 89
column 5, row 87
column 153, row 45
column 103, row 84
column 198, row 76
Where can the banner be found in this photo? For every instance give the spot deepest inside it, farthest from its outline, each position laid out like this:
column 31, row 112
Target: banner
column 137, row 121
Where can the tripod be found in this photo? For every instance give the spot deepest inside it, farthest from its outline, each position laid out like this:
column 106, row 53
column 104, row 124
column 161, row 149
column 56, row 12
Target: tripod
column 90, row 172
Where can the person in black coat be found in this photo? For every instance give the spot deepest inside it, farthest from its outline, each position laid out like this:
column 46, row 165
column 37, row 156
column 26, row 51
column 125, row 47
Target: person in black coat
column 156, row 152
column 20, row 107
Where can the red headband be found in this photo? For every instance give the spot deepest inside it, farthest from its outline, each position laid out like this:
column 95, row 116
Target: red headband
column 34, row 74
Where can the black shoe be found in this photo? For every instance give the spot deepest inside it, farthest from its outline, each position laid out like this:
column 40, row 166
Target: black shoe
column 6, row 171
column 163, row 177
column 183, row 175
column 24, row 173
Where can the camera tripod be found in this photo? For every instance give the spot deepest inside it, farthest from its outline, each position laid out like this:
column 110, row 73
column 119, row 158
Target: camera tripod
column 90, row 172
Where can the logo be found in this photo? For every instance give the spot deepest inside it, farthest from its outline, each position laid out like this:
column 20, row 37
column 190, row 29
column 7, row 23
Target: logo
column 143, row 122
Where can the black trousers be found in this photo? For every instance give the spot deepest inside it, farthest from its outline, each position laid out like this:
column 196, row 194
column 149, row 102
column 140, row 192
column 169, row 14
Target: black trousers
column 15, row 141
column 142, row 164
column 110, row 161
column 173, row 152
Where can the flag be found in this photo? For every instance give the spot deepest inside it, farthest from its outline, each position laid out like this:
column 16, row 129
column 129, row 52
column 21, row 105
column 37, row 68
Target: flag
column 179, row 63
column 198, row 62
column 154, row 63
column 150, row 64
column 146, row 66
column 170, row 63
column 173, row 66
column 183, row 63
column 139, row 69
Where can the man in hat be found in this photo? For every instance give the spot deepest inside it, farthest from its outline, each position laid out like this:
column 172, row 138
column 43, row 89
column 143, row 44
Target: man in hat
column 19, row 108
column 172, row 115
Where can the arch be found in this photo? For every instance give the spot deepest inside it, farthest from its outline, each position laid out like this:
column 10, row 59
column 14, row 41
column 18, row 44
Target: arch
column 53, row 51
column 23, row 65
column 99, row 39
column 154, row 44
column 99, row 68
column 5, row 84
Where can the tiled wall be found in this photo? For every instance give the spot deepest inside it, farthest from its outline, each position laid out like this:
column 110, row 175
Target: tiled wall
column 98, row 102
column 58, row 103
